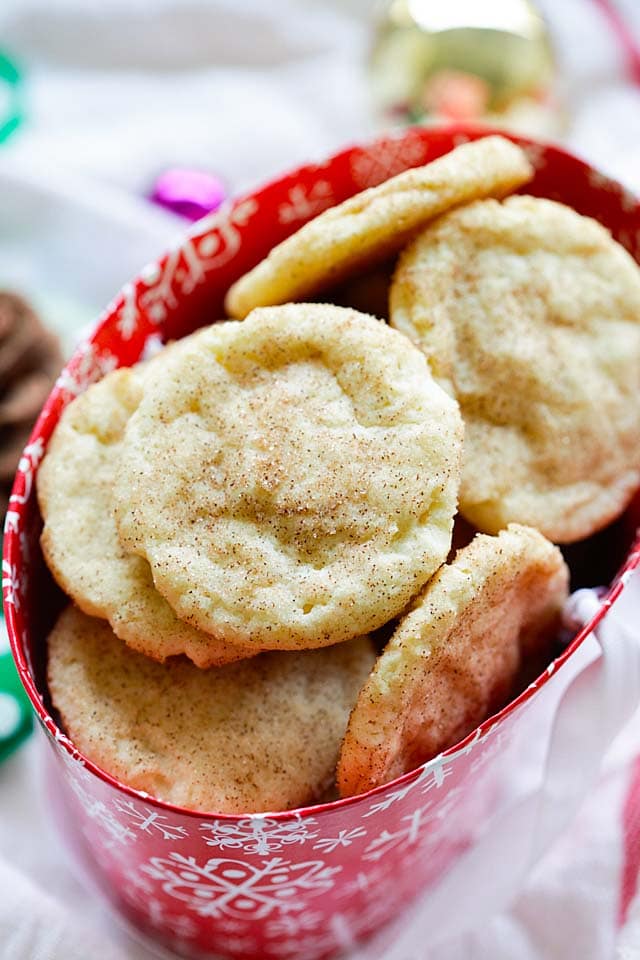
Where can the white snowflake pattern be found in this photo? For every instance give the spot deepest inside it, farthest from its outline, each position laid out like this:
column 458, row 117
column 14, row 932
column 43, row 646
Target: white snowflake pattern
column 149, row 821
column 11, row 522
column 304, row 203
column 433, row 774
column 215, row 241
column 219, row 236
column 116, row 832
column 88, row 365
column 11, row 584
column 159, row 298
column 428, row 778
column 258, row 835
column 152, row 346
column 377, row 163
column 425, row 827
column 403, row 837
column 365, row 881
column 344, row 839
column 235, row 888
column 127, row 319
column 27, row 466
column 292, row 924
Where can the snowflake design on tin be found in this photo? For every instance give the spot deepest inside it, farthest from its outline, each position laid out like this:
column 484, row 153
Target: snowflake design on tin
column 116, row 832
column 11, row 584
column 215, row 241
column 292, row 924
column 372, row 166
column 344, row 839
column 303, row 203
column 159, row 298
column 149, row 821
column 428, row 779
column 88, row 365
column 433, row 774
column 365, row 881
column 128, row 313
column 403, row 837
column 11, row 522
column 218, row 233
column 258, row 835
column 424, row 827
column 27, row 466
column 152, row 346
column 233, row 888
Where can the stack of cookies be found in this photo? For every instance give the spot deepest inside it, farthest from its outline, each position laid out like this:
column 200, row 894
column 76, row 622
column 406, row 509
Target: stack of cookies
column 234, row 519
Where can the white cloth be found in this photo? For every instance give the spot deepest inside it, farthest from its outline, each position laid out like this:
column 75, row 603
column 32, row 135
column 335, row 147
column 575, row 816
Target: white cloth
column 117, row 91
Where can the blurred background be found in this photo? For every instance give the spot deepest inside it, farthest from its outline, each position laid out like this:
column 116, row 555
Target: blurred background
column 121, row 120
column 100, row 97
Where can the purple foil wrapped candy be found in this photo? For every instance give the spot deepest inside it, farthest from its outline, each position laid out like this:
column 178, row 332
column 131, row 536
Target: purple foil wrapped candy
column 189, row 193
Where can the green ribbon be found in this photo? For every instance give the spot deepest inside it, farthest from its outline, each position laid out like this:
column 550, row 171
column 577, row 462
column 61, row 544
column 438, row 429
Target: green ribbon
column 11, row 80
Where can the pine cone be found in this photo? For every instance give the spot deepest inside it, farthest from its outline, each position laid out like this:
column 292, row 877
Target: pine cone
column 30, row 360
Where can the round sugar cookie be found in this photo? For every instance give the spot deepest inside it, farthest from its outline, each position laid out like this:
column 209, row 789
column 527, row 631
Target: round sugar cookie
column 378, row 222
column 453, row 659
column 259, row 735
column 529, row 315
column 80, row 540
column 291, row 479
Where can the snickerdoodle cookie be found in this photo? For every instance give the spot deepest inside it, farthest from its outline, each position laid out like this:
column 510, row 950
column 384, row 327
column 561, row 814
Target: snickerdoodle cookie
column 453, row 659
column 529, row 314
column 80, row 541
column 259, row 735
column 291, row 479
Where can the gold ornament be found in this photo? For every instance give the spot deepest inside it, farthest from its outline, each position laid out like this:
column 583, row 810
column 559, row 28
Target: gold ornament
column 466, row 61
